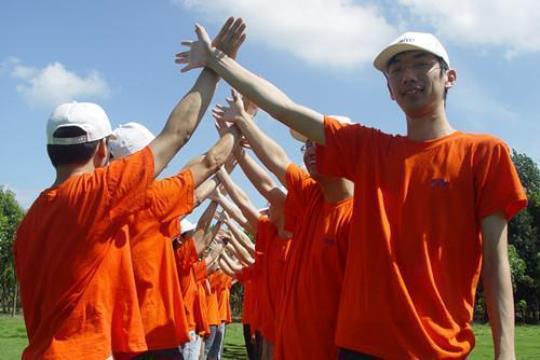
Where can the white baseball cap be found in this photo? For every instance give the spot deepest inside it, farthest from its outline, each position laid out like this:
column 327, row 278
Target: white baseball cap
column 186, row 226
column 295, row 134
column 129, row 138
column 410, row 41
column 89, row 117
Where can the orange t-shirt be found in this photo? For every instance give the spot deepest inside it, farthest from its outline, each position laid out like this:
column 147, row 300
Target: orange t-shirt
column 158, row 288
column 314, row 270
column 201, row 306
column 250, row 309
column 73, row 262
column 272, row 274
column 212, row 301
column 416, row 247
column 223, row 283
column 186, row 256
column 248, row 302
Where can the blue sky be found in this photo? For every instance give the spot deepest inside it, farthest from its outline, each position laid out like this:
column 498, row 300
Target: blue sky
column 120, row 54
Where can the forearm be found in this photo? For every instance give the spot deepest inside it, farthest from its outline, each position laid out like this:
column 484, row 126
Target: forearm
column 216, row 156
column 184, row 119
column 211, row 235
column 241, row 238
column 268, row 97
column 497, row 282
column 240, row 251
column 203, row 191
column 206, row 218
column 500, row 305
column 239, row 198
column 271, row 154
column 235, row 213
column 260, row 178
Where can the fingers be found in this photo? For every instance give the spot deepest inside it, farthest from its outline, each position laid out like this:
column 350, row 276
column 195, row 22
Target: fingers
column 235, row 95
column 224, row 29
column 187, row 68
column 202, row 34
column 238, row 28
column 225, row 267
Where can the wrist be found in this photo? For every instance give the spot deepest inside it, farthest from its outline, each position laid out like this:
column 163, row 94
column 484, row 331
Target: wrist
column 212, row 57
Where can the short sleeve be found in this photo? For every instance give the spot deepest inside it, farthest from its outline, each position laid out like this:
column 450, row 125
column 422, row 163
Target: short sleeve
column 262, row 231
column 245, row 275
column 172, row 197
column 346, row 145
column 299, row 188
column 127, row 182
column 186, row 256
column 199, row 270
column 497, row 184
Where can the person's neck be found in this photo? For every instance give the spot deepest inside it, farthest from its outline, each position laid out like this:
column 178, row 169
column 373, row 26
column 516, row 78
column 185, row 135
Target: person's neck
column 65, row 172
column 429, row 125
column 335, row 189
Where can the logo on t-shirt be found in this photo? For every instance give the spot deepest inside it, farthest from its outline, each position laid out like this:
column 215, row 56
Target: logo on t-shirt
column 439, row 183
column 329, row 241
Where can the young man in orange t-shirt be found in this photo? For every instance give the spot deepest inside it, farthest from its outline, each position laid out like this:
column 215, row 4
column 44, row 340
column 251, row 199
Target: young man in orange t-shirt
column 431, row 209
column 71, row 251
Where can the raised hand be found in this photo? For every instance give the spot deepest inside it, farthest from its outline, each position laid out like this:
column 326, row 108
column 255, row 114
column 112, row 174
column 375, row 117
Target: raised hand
column 198, row 52
column 228, row 40
column 233, row 111
column 230, row 37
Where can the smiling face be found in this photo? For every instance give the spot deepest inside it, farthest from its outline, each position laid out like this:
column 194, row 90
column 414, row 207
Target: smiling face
column 417, row 81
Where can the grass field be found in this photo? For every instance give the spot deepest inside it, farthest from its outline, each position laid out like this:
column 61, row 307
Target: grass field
column 13, row 340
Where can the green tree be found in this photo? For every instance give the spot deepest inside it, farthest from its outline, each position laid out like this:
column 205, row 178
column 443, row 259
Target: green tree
column 11, row 214
column 524, row 235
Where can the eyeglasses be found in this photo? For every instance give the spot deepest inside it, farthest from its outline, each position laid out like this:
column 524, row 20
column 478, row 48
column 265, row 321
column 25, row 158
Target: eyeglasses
column 306, row 146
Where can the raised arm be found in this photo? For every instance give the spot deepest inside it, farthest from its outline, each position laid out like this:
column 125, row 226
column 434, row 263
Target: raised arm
column 186, row 115
column 210, row 162
column 260, row 179
column 203, row 225
column 229, row 265
column 268, row 97
column 203, row 191
column 242, row 253
column 496, row 276
column 239, row 236
column 240, row 198
column 233, row 211
column 209, row 237
column 267, row 150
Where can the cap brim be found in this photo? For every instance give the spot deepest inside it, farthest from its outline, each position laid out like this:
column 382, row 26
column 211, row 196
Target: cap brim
column 296, row 135
column 381, row 61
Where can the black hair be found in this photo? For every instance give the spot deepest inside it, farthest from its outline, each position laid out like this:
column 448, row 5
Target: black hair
column 444, row 68
column 71, row 154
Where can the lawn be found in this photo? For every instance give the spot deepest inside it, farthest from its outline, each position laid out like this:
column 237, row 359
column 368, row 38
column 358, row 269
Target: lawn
column 13, row 340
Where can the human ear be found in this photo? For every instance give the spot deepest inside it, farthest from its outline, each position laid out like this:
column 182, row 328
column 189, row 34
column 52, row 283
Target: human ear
column 451, row 77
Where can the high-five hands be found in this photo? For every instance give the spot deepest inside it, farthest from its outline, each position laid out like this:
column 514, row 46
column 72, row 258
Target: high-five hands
column 228, row 40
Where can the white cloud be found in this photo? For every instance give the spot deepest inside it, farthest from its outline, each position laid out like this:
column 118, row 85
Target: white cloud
column 337, row 33
column 512, row 25
column 54, row 84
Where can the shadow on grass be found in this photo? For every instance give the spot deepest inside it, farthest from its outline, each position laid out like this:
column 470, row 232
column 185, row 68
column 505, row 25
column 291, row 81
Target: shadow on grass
column 234, row 352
